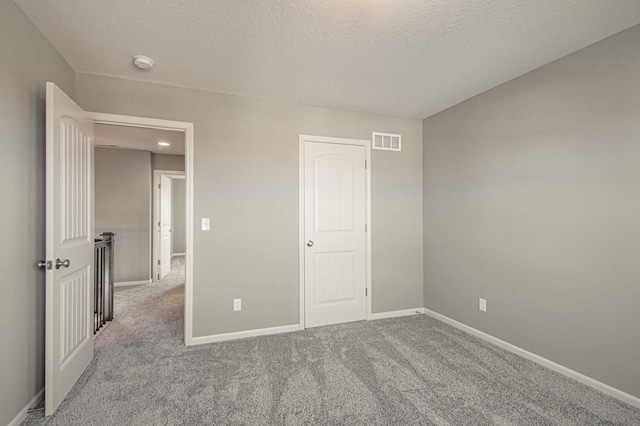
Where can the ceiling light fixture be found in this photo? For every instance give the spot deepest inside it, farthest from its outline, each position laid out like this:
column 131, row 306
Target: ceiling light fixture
column 164, row 143
column 143, row 62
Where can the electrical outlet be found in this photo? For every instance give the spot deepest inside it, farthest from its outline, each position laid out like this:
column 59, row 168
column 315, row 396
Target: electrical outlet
column 237, row 304
column 205, row 224
column 482, row 305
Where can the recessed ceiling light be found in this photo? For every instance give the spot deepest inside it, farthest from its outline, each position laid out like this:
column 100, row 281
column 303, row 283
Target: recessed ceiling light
column 143, row 62
column 164, row 143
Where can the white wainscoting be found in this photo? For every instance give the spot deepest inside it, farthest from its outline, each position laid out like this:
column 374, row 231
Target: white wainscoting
column 202, row 340
column 395, row 314
column 22, row 415
column 131, row 283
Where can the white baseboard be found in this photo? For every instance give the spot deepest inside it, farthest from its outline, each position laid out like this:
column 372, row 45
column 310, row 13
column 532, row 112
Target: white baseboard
column 202, row 340
column 178, row 254
column 22, row 415
column 394, row 314
column 131, row 283
column 572, row 374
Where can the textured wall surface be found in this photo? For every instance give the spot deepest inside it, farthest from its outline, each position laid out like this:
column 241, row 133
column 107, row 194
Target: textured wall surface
column 532, row 202
column 409, row 58
column 246, row 181
column 28, row 61
column 123, row 205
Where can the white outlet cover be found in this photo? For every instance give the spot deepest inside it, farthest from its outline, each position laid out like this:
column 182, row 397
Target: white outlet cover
column 205, row 224
column 237, row 304
column 482, row 305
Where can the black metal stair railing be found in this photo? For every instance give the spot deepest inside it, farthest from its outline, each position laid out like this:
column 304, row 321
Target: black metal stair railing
column 103, row 280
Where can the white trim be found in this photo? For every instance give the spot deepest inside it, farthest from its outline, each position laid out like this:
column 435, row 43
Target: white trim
column 572, row 374
column 340, row 141
column 155, row 229
column 178, row 254
column 22, row 415
column 395, row 314
column 131, row 283
column 187, row 128
column 150, row 123
column 202, row 340
column 301, row 230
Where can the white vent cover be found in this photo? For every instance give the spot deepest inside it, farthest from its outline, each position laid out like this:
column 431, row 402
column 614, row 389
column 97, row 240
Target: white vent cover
column 387, row 141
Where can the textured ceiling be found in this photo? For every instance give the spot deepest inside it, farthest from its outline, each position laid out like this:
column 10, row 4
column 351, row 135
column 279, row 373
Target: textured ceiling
column 408, row 58
column 127, row 137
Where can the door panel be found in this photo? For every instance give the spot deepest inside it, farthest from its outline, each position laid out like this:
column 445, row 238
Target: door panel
column 335, row 216
column 69, row 236
column 335, row 278
column 165, row 226
column 335, row 201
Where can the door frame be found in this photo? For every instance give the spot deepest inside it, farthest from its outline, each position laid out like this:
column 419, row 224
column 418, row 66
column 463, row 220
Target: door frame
column 187, row 128
column 157, row 174
column 301, row 251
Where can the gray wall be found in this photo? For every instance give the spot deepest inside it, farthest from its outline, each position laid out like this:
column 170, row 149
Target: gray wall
column 123, row 205
column 532, row 201
column 167, row 162
column 28, row 61
column 178, row 216
column 246, row 181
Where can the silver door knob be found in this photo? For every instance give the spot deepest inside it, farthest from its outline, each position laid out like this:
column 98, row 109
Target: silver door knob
column 310, row 243
column 60, row 263
column 42, row 264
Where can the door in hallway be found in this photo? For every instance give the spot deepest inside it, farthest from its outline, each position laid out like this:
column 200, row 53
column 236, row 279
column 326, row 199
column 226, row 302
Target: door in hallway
column 165, row 226
column 334, row 230
column 69, row 245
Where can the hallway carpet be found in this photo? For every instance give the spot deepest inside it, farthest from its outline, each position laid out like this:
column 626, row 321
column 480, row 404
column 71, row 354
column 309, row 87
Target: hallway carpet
column 412, row 370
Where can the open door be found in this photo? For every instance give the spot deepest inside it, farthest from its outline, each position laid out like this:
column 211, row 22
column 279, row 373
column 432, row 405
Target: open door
column 165, row 226
column 70, row 246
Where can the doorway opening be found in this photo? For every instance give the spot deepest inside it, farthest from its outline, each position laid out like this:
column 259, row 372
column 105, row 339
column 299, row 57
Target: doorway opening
column 169, row 224
column 168, row 147
column 71, row 249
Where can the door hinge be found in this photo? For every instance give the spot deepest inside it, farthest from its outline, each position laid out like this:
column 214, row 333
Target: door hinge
column 158, row 262
column 158, row 186
column 365, row 164
column 366, row 228
column 366, row 291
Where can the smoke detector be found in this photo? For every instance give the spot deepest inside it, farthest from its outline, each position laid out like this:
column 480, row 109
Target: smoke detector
column 143, row 62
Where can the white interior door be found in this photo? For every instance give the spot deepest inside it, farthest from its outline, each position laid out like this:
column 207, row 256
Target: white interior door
column 69, row 245
column 165, row 226
column 334, row 228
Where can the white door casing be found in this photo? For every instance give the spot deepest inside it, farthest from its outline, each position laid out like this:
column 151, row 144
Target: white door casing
column 69, row 236
column 165, row 225
column 335, row 241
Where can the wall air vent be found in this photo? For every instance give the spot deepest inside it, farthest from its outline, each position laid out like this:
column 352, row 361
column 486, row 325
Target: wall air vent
column 387, row 141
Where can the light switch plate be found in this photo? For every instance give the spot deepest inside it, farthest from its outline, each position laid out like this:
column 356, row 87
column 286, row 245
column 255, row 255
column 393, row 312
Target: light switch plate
column 205, row 224
column 482, row 305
